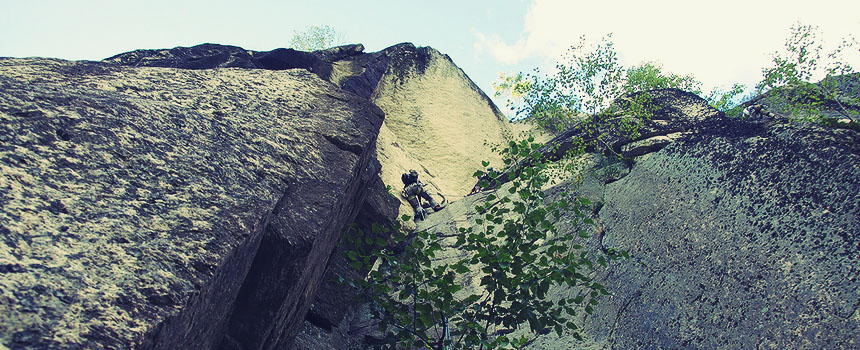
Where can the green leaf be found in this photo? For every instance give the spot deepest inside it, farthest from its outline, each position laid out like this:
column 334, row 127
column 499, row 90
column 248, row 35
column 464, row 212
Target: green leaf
column 485, row 163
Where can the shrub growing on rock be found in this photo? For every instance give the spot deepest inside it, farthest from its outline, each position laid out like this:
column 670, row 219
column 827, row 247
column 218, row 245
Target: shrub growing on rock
column 514, row 249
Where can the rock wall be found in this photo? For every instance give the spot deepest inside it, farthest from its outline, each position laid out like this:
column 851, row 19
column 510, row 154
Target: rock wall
column 438, row 121
column 743, row 235
column 135, row 201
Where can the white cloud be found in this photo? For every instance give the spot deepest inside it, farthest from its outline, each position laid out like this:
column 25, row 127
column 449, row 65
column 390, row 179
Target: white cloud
column 718, row 42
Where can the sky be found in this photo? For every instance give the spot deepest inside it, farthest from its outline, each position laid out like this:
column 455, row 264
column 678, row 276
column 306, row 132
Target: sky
column 718, row 42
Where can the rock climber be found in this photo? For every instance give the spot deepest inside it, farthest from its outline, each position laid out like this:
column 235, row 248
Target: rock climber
column 413, row 190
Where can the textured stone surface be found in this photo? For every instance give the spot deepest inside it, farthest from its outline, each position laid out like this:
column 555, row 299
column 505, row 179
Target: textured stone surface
column 743, row 235
column 437, row 120
column 135, row 199
column 204, row 56
column 846, row 103
column 208, row 56
column 426, row 98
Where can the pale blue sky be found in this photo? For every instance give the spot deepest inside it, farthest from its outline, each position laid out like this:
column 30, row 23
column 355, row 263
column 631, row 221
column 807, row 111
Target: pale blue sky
column 719, row 42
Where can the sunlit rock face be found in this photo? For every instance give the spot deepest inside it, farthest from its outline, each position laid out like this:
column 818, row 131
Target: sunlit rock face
column 135, row 201
column 438, row 121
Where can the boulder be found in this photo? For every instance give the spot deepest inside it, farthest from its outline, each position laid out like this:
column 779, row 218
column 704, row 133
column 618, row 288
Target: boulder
column 154, row 208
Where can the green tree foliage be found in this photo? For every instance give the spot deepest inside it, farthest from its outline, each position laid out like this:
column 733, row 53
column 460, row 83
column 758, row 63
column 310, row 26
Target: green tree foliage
column 586, row 81
column 533, row 276
column 511, row 85
column 650, row 75
column 315, row 38
column 726, row 100
column 790, row 78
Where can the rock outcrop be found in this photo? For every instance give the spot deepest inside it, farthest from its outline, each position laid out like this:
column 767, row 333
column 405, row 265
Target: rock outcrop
column 428, row 102
column 156, row 208
column 192, row 198
column 217, row 215
column 743, row 235
column 209, row 56
column 836, row 97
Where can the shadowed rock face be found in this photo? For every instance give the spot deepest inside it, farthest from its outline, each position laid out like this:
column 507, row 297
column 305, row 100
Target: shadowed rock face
column 204, row 56
column 844, row 102
column 135, row 201
column 743, row 235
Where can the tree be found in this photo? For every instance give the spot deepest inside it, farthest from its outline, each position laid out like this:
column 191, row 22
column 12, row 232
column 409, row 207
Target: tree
column 316, row 38
column 727, row 100
column 585, row 82
column 650, row 75
column 515, row 249
column 790, row 79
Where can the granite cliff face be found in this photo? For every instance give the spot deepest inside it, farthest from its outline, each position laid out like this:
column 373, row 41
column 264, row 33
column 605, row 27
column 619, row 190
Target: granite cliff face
column 426, row 98
column 149, row 208
column 193, row 198
column 743, row 234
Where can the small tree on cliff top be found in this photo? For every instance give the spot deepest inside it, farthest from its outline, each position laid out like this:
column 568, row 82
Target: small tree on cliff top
column 587, row 80
column 794, row 69
column 316, row 38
